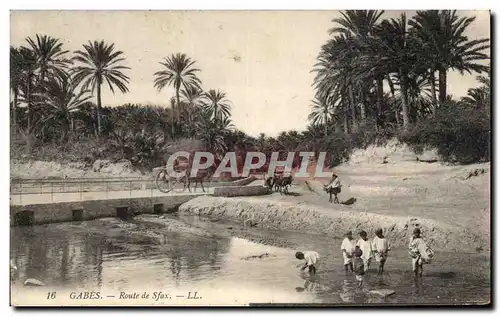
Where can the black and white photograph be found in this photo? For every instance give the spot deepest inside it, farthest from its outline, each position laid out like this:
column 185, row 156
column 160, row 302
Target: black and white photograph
column 250, row 158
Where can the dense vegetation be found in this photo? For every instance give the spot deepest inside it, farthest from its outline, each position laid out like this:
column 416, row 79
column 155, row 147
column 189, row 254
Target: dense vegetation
column 375, row 79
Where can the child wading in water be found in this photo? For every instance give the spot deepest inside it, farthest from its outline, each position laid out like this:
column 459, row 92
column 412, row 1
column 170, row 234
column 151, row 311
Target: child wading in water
column 311, row 261
column 348, row 246
column 359, row 268
column 366, row 248
column 420, row 253
column 380, row 247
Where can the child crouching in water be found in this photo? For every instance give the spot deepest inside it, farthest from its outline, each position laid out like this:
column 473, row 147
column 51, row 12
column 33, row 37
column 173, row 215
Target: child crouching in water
column 311, row 261
column 380, row 247
column 359, row 269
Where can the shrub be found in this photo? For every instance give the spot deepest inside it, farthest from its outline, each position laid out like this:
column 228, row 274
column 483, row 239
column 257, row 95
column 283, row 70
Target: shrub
column 338, row 147
column 460, row 133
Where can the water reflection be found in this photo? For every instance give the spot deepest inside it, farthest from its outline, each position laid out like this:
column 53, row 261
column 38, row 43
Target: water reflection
column 348, row 291
column 81, row 255
column 118, row 255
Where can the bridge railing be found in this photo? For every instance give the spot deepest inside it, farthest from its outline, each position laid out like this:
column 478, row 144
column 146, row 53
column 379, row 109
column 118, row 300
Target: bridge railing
column 89, row 188
column 75, row 188
column 76, row 185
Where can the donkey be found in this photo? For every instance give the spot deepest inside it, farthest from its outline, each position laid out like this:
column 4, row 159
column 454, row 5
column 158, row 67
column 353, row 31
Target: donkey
column 269, row 183
column 282, row 183
column 332, row 191
column 202, row 174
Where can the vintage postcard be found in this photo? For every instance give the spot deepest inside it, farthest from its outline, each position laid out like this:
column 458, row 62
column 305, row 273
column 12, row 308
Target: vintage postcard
column 243, row 158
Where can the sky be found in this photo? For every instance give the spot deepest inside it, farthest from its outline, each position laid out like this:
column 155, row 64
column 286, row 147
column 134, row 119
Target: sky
column 261, row 59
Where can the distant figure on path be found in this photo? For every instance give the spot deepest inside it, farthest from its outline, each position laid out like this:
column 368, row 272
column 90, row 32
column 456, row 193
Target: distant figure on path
column 333, row 188
column 366, row 247
column 359, row 267
column 348, row 246
column 380, row 247
column 311, row 261
column 420, row 253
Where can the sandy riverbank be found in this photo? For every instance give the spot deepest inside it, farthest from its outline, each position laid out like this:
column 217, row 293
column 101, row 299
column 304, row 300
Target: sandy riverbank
column 451, row 204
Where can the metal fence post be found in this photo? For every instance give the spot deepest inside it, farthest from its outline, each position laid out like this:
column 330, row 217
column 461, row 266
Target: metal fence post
column 52, row 191
column 107, row 188
column 130, row 189
column 21, row 192
column 81, row 190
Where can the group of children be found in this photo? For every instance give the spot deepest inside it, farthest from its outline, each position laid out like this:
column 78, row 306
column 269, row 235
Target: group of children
column 358, row 254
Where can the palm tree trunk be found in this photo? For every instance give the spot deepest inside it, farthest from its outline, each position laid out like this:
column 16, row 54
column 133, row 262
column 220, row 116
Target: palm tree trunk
column 43, row 71
column 406, row 117
column 363, row 106
column 98, row 110
column 404, row 92
column 173, row 120
column 28, row 106
column 177, row 106
column 393, row 93
column 215, row 111
column 346, row 121
column 380, row 98
column 353, row 109
column 432, row 80
column 442, row 85
column 326, row 126
column 14, row 112
column 65, row 127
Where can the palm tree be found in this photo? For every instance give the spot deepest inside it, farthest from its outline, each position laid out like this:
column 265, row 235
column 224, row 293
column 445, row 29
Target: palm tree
column 212, row 132
column 24, row 80
column 191, row 104
column 85, row 121
column 419, row 96
column 218, row 104
column 360, row 24
column 193, row 96
column 16, row 80
column 321, row 113
column 63, row 100
column 476, row 97
column 399, row 53
column 49, row 56
column 442, row 38
column 99, row 62
column 177, row 71
column 335, row 74
column 485, row 81
column 479, row 97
